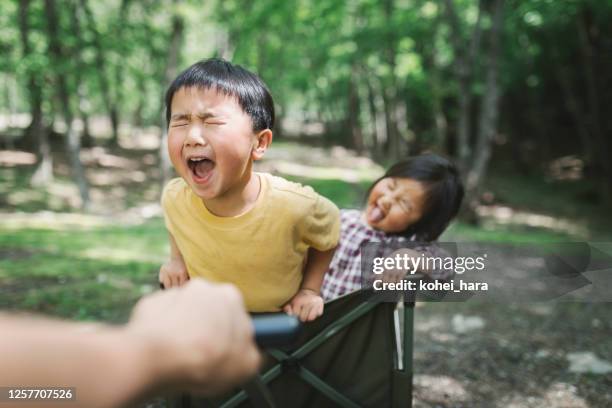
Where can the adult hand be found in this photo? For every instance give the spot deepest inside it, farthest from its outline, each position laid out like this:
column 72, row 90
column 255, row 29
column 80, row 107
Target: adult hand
column 200, row 333
column 195, row 338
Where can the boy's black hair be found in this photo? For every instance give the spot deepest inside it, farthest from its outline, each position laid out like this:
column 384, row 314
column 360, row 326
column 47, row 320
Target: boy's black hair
column 443, row 193
column 233, row 80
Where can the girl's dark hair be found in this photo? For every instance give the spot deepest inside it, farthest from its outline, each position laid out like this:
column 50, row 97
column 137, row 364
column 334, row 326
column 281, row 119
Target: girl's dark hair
column 443, row 193
column 233, row 80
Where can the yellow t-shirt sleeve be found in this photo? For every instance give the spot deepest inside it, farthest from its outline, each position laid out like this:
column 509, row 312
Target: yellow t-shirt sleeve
column 321, row 226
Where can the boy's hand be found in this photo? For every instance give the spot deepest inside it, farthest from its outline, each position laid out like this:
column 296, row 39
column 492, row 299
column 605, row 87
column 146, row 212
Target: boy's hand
column 307, row 304
column 173, row 273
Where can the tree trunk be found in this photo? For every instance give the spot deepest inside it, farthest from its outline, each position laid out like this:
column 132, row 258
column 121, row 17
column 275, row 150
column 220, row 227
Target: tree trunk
column 118, row 76
column 487, row 127
column 463, row 67
column 35, row 131
column 379, row 130
column 353, row 112
column 390, row 86
column 82, row 102
column 174, row 49
column 100, row 59
column 72, row 138
column 587, row 46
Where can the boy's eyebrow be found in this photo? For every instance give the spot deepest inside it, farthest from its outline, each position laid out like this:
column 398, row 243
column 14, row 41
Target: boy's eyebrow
column 201, row 115
column 179, row 116
column 205, row 115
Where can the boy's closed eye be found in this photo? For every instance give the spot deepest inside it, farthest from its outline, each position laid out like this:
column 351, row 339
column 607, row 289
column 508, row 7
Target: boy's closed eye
column 179, row 120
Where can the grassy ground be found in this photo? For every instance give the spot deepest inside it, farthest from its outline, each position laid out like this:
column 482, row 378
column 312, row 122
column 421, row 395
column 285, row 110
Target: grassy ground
column 95, row 266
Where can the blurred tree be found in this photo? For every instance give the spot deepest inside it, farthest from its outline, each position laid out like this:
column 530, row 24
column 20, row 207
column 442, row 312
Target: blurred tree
column 59, row 64
column 175, row 44
column 35, row 133
column 384, row 77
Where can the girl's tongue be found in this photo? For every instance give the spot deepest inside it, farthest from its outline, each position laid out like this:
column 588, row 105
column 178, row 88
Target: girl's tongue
column 375, row 215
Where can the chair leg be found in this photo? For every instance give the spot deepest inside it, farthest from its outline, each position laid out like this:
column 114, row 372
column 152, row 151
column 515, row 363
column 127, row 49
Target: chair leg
column 402, row 386
column 408, row 346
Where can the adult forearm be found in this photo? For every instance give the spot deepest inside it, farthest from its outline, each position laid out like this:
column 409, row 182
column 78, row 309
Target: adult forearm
column 103, row 364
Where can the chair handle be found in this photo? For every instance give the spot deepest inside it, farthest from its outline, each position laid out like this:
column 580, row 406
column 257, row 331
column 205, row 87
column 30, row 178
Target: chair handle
column 275, row 329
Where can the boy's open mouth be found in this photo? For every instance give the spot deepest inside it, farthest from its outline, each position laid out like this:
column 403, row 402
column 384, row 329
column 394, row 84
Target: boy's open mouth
column 200, row 167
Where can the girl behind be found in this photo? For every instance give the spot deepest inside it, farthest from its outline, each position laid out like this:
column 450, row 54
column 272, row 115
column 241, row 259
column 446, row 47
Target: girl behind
column 414, row 201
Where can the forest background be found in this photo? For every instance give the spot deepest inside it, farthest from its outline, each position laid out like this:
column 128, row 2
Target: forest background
column 517, row 92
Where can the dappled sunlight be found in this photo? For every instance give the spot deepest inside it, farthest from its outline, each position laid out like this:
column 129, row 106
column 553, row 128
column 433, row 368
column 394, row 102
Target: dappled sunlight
column 509, row 216
column 11, row 120
column 558, row 394
column 146, row 138
column 99, row 156
column 307, row 162
column 135, row 254
column 440, row 389
column 429, row 324
column 11, row 158
column 336, row 158
column 321, row 173
column 567, row 168
column 52, row 221
column 62, row 221
column 105, row 177
column 65, row 192
column 23, row 197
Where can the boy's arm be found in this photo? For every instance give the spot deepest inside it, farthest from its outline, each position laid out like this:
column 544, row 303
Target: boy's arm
column 317, row 263
column 307, row 304
column 175, row 252
column 174, row 272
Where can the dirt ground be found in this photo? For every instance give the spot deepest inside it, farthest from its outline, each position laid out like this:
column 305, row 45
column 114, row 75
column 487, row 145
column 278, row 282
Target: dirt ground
column 512, row 355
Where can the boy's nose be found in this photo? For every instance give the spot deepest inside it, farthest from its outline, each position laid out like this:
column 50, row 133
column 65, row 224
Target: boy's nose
column 195, row 137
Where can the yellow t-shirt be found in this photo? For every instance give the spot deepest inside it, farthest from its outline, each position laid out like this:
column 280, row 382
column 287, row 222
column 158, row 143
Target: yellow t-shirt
column 261, row 251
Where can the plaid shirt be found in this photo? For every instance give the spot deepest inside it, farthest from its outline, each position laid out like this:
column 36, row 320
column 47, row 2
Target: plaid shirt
column 344, row 273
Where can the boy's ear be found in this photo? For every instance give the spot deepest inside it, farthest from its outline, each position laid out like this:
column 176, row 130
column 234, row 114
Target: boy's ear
column 261, row 144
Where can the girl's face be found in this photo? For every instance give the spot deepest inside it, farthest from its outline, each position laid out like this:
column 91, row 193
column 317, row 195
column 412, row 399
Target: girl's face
column 395, row 203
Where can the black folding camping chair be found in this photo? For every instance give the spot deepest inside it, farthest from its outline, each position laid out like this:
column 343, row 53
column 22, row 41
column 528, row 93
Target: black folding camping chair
column 356, row 355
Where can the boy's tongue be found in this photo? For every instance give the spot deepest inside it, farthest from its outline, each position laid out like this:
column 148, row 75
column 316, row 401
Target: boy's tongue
column 375, row 215
column 202, row 168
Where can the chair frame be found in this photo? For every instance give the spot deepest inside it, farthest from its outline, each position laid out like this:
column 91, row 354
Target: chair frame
column 260, row 397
